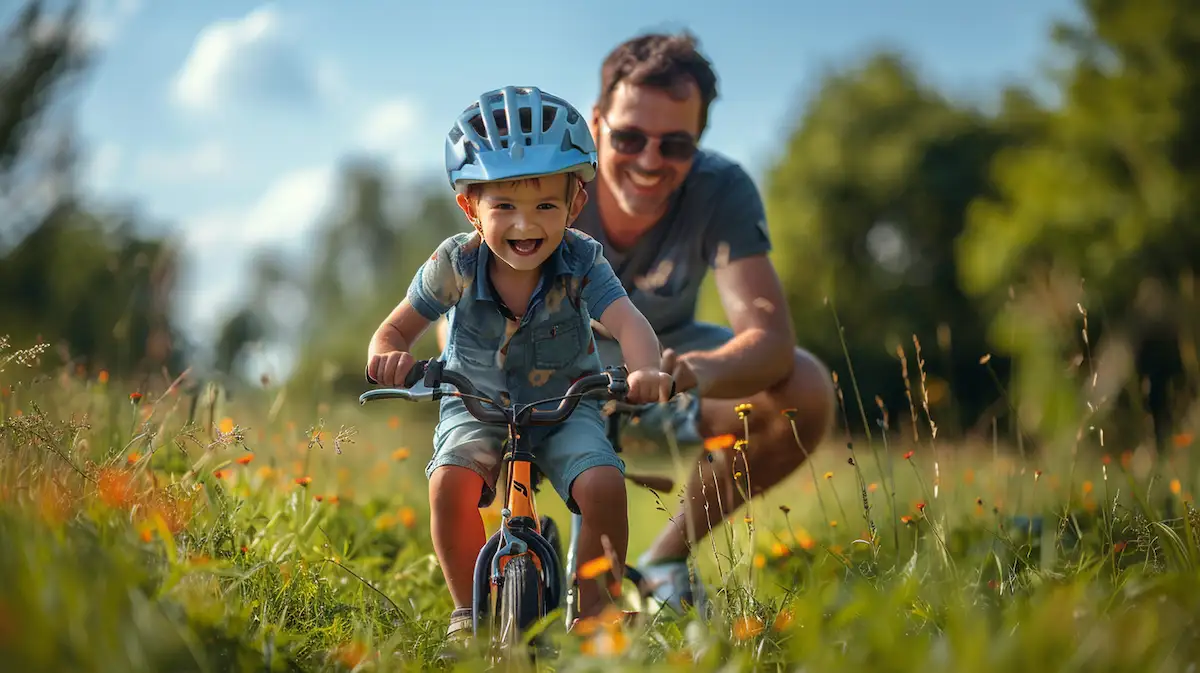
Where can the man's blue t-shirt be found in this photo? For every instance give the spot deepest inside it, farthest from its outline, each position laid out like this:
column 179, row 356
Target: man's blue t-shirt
column 537, row 356
column 715, row 217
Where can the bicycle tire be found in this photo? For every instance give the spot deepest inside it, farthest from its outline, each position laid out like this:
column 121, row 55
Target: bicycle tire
column 521, row 602
column 554, row 539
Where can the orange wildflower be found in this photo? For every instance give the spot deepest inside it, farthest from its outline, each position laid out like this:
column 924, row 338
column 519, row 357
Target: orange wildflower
column 719, row 442
column 244, row 460
column 408, row 517
column 304, row 481
column 746, row 627
column 114, row 488
column 595, row 568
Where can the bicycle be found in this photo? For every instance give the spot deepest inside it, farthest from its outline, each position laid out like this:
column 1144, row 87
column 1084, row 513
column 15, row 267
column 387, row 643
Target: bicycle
column 521, row 559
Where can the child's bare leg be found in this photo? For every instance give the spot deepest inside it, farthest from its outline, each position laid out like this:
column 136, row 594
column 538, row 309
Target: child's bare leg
column 599, row 493
column 456, row 527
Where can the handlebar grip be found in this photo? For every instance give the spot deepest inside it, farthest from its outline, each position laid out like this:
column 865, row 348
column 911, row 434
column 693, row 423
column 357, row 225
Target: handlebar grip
column 416, row 373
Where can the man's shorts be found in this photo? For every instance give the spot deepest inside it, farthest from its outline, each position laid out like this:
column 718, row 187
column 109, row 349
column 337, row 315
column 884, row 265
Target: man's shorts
column 682, row 416
column 561, row 452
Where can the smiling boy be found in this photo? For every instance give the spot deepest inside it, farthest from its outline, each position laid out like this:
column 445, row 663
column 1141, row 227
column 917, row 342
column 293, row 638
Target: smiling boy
column 520, row 293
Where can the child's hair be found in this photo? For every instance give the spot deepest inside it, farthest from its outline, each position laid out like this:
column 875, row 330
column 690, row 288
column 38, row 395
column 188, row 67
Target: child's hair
column 472, row 191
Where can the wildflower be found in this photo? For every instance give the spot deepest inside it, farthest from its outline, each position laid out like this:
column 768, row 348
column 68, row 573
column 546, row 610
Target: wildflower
column 595, row 568
column 114, row 488
column 1175, row 486
column 408, row 518
column 351, row 654
column 908, row 455
column 133, row 457
column 743, row 410
column 785, row 509
column 719, row 442
column 1119, row 547
column 790, row 413
column 805, row 540
column 400, row 454
column 828, row 475
column 1037, row 474
column 746, row 627
column 833, row 523
column 1087, row 487
column 1107, row 459
column 226, row 426
column 740, row 445
column 782, row 620
column 220, row 474
column 244, row 460
column 394, row 422
column 103, row 377
column 135, row 397
column 872, row 487
column 906, row 519
column 760, row 561
column 921, row 506
column 1182, row 440
column 304, row 481
column 779, row 549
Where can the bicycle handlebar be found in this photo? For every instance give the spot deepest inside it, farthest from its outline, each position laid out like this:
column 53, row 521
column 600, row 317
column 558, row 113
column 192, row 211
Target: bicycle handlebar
column 434, row 375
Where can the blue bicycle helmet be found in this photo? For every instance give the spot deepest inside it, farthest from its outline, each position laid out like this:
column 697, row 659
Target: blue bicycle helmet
column 518, row 132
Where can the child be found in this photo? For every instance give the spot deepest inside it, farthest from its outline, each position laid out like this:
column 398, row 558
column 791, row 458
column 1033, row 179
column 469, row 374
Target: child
column 520, row 292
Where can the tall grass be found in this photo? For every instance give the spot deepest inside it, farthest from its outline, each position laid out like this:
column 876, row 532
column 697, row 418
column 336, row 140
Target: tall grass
column 173, row 529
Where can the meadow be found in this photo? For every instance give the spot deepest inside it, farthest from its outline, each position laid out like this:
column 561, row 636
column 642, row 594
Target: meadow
column 174, row 526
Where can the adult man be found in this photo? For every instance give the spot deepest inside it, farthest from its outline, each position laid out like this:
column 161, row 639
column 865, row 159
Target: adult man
column 666, row 212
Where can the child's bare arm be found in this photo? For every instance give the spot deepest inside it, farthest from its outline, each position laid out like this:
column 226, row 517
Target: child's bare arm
column 388, row 357
column 639, row 344
column 640, row 349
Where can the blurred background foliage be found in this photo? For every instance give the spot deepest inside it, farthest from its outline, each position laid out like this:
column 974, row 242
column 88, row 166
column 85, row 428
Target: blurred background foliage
column 988, row 230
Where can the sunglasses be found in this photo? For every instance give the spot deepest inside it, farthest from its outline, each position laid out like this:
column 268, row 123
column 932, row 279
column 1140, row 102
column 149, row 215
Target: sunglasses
column 677, row 145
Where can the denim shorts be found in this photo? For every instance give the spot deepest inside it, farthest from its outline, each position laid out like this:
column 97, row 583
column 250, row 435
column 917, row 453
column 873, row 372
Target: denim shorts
column 561, row 452
column 681, row 417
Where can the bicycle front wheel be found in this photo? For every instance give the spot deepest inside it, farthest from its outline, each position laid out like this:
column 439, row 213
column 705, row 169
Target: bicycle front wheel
column 522, row 598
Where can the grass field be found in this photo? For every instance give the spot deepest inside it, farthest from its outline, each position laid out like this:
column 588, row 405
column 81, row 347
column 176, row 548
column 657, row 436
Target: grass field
column 166, row 530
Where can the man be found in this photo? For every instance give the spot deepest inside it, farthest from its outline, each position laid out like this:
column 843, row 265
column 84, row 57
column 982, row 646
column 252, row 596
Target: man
column 666, row 212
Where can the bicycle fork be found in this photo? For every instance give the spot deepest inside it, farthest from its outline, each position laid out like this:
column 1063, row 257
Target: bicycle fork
column 572, row 610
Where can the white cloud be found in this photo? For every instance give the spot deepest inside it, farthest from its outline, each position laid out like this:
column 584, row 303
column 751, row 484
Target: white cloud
column 245, row 60
column 219, row 246
column 388, row 126
column 206, row 160
column 395, row 131
column 284, row 215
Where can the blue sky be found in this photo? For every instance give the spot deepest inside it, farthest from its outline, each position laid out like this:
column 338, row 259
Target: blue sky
column 225, row 120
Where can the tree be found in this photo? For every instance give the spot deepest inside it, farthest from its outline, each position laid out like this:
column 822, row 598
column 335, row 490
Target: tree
column 864, row 208
column 1100, row 214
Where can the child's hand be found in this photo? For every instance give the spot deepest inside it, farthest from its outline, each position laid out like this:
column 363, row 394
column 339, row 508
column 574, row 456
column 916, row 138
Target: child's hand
column 390, row 368
column 649, row 385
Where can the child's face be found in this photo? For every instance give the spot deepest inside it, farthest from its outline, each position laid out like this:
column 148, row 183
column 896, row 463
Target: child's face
column 523, row 221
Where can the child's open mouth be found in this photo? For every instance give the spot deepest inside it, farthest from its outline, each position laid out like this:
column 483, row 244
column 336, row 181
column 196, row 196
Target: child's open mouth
column 525, row 246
